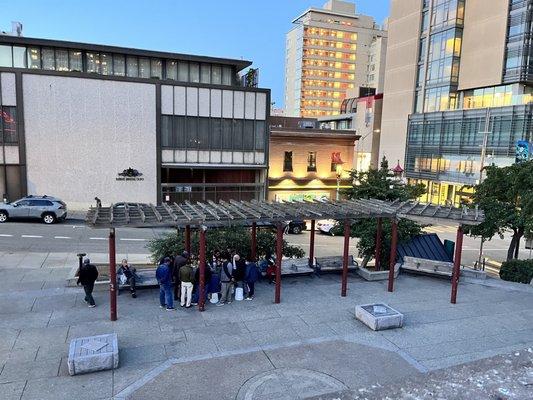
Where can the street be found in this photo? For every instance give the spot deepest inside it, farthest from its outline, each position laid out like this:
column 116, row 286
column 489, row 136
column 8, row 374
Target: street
column 73, row 236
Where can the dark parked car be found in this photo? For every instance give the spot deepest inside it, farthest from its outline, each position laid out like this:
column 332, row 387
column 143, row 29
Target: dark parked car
column 297, row 226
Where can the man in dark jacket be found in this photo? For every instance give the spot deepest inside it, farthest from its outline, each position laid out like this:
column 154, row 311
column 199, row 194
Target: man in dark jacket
column 87, row 276
column 252, row 276
column 179, row 262
column 163, row 275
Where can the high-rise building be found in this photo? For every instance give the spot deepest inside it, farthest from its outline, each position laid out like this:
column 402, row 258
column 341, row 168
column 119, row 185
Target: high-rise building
column 459, row 90
column 328, row 51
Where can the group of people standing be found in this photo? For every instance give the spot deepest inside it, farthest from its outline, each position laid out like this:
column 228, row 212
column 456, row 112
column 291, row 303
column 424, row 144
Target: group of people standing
column 225, row 273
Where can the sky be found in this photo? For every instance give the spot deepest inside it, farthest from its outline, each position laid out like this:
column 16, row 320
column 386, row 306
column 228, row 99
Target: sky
column 249, row 29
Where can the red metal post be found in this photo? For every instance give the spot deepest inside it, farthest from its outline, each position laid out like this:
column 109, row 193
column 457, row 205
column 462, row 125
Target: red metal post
column 112, row 275
column 279, row 255
column 188, row 239
column 254, row 242
column 393, row 250
column 378, row 244
column 312, row 245
column 344, row 285
column 202, row 266
column 457, row 263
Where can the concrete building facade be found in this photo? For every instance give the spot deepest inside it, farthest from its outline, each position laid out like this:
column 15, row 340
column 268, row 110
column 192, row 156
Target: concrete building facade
column 78, row 118
column 459, row 79
column 330, row 51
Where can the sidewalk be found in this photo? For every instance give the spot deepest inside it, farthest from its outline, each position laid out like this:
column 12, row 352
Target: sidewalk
column 241, row 350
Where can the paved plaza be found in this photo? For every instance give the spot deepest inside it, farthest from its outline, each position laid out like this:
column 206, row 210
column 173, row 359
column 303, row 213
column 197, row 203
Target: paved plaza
column 310, row 346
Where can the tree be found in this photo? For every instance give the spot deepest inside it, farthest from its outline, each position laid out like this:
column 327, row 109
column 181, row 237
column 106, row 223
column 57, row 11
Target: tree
column 234, row 237
column 380, row 184
column 506, row 197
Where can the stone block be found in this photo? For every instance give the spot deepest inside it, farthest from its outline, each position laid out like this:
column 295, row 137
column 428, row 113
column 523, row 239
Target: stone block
column 369, row 275
column 379, row 316
column 93, row 353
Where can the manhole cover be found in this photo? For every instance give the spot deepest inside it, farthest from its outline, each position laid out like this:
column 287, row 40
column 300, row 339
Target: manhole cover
column 288, row 384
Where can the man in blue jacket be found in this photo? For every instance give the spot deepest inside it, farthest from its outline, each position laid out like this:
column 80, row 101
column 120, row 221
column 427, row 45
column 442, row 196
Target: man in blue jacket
column 163, row 275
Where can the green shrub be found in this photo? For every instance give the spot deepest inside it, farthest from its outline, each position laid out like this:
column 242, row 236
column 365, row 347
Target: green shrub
column 517, row 271
column 235, row 237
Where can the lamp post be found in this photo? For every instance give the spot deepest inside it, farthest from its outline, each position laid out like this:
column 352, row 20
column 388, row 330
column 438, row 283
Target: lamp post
column 338, row 172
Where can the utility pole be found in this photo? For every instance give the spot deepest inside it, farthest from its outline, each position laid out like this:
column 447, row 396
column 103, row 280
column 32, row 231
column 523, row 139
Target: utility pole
column 486, row 133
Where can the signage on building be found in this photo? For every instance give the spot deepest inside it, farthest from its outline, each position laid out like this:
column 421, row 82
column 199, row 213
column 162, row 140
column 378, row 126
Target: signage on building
column 522, row 151
column 180, row 189
column 130, row 174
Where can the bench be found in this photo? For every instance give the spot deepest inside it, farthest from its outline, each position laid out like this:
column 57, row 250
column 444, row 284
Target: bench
column 147, row 280
column 427, row 267
column 333, row 264
column 296, row 266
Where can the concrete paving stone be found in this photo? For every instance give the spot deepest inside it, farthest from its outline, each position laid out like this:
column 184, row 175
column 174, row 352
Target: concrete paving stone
column 235, row 342
column 128, row 374
column 141, row 354
column 12, row 390
column 94, row 386
column 8, row 336
column 320, row 317
column 275, row 323
column 352, row 364
column 314, row 331
column 231, row 328
column 57, row 302
column 276, row 337
column 259, row 313
column 15, row 306
column 52, row 350
column 191, row 349
column 79, row 315
column 42, row 336
column 15, row 370
column 183, row 379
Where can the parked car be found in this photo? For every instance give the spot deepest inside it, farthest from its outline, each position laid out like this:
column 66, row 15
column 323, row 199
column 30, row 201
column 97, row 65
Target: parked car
column 46, row 208
column 297, row 226
column 326, row 226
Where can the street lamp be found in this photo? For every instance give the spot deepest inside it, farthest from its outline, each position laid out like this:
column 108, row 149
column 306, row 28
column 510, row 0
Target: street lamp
column 338, row 172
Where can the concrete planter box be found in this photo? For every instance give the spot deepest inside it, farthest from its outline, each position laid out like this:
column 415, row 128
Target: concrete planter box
column 93, row 353
column 369, row 275
column 379, row 316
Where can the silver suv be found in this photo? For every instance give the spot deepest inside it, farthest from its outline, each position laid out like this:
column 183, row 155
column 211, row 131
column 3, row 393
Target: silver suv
column 46, row 208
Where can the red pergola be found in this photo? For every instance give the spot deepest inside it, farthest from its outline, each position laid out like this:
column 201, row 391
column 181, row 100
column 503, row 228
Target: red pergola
column 206, row 215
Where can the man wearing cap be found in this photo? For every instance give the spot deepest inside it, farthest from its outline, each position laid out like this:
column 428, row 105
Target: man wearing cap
column 87, row 276
column 163, row 275
column 179, row 262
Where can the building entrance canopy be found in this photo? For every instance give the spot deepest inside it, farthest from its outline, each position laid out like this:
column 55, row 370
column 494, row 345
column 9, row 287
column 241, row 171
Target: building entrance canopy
column 211, row 214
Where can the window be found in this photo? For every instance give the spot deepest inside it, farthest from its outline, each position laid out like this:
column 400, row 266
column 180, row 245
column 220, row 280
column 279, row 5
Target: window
column 106, row 64
column 260, row 135
column 240, row 142
column 6, row 58
column 8, row 125
column 48, row 59
column 287, row 161
column 34, row 58
column 119, row 65
column 203, row 133
column 19, row 57
column 179, row 132
column 227, row 134
column 216, row 133
column 311, row 161
column 157, row 70
column 166, row 131
column 192, row 133
column 183, row 71
column 216, row 75
column 172, row 70
column 205, row 73
column 226, row 75
column 92, row 60
column 132, row 67
column 194, row 72
column 62, row 60
column 249, row 135
column 75, row 60
column 144, row 68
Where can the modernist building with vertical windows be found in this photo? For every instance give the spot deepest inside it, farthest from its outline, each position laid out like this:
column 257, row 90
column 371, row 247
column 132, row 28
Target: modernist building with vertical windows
column 81, row 120
column 458, row 84
column 328, row 51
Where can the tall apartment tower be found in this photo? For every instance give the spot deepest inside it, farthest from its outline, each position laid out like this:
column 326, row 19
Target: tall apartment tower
column 458, row 83
column 328, row 51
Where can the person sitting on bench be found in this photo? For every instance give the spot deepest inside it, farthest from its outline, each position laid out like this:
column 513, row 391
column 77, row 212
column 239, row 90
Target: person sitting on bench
column 127, row 275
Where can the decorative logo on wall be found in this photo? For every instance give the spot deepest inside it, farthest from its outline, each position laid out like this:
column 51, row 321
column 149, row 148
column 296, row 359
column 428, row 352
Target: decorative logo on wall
column 130, row 174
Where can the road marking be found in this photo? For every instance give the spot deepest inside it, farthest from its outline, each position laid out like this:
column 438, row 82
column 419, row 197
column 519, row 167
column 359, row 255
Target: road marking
column 31, row 236
column 62, row 237
column 134, row 240
column 5, row 235
column 97, row 238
